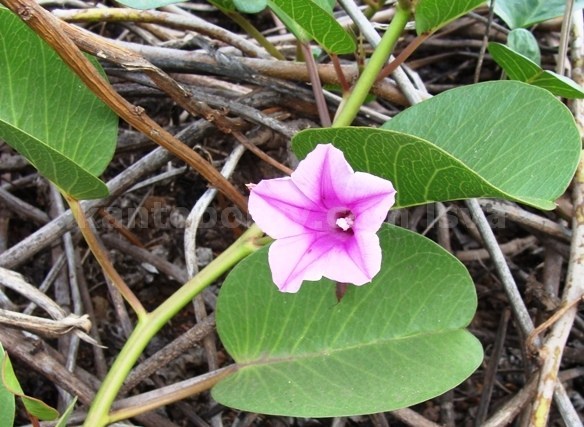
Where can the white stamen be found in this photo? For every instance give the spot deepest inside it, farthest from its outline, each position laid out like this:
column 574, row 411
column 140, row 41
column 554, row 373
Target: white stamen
column 345, row 222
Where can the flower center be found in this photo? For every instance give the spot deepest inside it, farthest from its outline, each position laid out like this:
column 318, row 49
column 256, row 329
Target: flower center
column 345, row 221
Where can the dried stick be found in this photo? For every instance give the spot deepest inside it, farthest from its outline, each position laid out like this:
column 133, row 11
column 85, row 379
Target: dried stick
column 198, row 210
column 491, row 371
column 323, row 113
column 102, row 258
column 191, row 227
column 552, row 350
column 144, row 255
column 169, row 353
column 51, row 30
column 519, row 310
column 412, row 418
column 23, row 209
column 515, row 246
column 179, row 60
column 477, row 73
column 16, row 282
column 172, row 20
column 527, row 219
column 509, row 411
column 145, row 402
column 243, row 140
column 67, row 295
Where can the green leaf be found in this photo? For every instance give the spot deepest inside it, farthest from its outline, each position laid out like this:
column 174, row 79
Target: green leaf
column 65, row 417
column 394, row 342
column 327, row 5
column 250, row 6
column 317, row 22
column 523, row 42
column 34, row 407
column 223, row 5
column 148, row 4
column 292, row 26
column 7, row 403
column 518, row 137
column 420, row 171
column 49, row 115
column 524, row 13
column 433, row 14
column 518, row 67
column 492, row 139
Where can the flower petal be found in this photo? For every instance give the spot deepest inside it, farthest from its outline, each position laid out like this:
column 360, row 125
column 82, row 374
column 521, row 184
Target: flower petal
column 322, row 175
column 281, row 210
column 355, row 262
column 313, row 256
column 295, row 259
column 369, row 198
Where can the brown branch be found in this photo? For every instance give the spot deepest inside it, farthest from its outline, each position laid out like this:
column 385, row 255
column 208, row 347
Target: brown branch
column 51, row 30
column 187, row 61
column 172, row 20
column 401, row 58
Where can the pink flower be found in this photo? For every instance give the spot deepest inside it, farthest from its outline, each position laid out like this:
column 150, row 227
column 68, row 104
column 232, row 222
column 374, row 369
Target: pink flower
column 324, row 219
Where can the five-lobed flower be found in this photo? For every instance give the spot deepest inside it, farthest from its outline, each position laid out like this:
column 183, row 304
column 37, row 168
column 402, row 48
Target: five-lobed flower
column 324, row 218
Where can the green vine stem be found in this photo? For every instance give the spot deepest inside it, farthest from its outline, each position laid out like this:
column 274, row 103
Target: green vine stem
column 367, row 79
column 102, row 258
column 151, row 323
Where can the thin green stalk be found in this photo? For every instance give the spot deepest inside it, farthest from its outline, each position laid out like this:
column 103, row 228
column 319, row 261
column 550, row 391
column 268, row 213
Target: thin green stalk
column 150, row 324
column 350, row 109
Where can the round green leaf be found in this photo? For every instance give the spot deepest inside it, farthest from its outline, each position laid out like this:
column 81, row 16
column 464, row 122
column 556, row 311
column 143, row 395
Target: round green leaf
column 519, row 67
column 518, row 137
column 394, row 342
column 522, row 41
column 49, row 115
column 524, row 13
column 434, row 14
column 250, row 6
column 317, row 22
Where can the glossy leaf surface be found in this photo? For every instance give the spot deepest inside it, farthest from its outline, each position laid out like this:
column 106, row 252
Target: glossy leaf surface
column 518, row 67
column 49, row 115
column 523, row 42
column 250, row 6
column 475, row 141
column 388, row 344
column 318, row 23
column 524, row 13
column 434, row 14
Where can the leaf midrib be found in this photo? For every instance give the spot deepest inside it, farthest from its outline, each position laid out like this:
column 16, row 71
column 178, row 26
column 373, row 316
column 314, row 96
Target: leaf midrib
column 268, row 360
